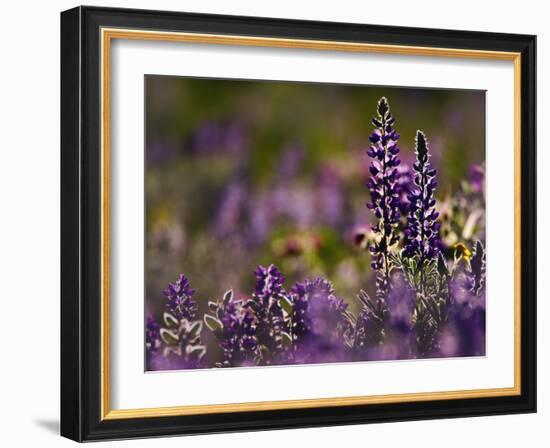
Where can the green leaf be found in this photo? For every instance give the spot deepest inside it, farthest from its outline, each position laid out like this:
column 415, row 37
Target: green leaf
column 228, row 296
column 213, row 306
column 194, row 329
column 170, row 321
column 264, row 351
column 168, row 336
column 212, row 323
column 286, row 305
column 287, row 339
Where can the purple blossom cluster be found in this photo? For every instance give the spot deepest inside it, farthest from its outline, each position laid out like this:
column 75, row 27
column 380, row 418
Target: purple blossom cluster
column 384, row 191
column 422, row 232
column 235, row 327
column 319, row 323
column 429, row 299
column 220, row 137
column 266, row 305
column 180, row 299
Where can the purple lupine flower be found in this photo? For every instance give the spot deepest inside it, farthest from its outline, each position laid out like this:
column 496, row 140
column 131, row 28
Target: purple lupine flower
column 477, row 178
column 384, row 193
column 401, row 301
column 319, row 323
column 367, row 332
column 467, row 283
column 180, row 299
column 182, row 344
column 236, row 138
column 422, row 232
column 330, row 195
column 231, row 207
column 235, row 326
column 464, row 333
column 297, row 203
column 176, row 344
column 269, row 283
column 385, row 329
column 266, row 305
column 157, row 361
column 369, row 328
column 402, row 331
column 157, row 152
column 212, row 137
column 260, row 214
column 404, row 183
column 461, row 285
column 152, row 335
column 290, row 163
column 206, row 138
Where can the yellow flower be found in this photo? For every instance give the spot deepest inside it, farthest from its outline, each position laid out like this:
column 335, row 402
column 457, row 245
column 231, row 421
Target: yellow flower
column 461, row 251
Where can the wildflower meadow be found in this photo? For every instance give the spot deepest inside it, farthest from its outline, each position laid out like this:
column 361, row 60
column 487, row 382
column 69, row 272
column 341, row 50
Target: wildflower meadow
column 294, row 223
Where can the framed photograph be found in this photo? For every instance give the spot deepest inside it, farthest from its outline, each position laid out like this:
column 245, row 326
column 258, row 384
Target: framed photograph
column 275, row 224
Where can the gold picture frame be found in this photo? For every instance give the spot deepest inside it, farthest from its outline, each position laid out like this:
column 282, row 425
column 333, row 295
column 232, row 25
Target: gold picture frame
column 108, row 32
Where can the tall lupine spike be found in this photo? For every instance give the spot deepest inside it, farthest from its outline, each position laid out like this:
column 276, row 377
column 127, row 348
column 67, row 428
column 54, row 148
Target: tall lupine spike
column 269, row 282
column 320, row 324
column 234, row 325
column 404, row 183
column 422, row 233
column 313, row 299
column 266, row 305
column 180, row 299
column 385, row 198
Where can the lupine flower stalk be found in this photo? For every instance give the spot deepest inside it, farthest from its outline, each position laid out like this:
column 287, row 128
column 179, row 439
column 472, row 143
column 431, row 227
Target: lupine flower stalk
column 319, row 321
column 382, row 184
column 180, row 299
column 265, row 303
column 368, row 329
column 404, row 184
column 235, row 326
column 422, row 232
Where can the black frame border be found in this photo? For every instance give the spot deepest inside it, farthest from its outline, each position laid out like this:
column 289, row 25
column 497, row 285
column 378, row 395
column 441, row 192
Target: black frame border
column 81, row 223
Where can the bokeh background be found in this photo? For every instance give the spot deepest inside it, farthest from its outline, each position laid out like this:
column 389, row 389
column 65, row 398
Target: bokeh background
column 241, row 173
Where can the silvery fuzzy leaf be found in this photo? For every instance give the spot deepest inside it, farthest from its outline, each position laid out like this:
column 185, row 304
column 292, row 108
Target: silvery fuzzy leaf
column 228, row 296
column 285, row 304
column 286, row 339
column 442, row 265
column 195, row 352
column 213, row 306
column 169, row 320
column 212, row 323
column 168, row 336
column 194, row 329
column 171, row 351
